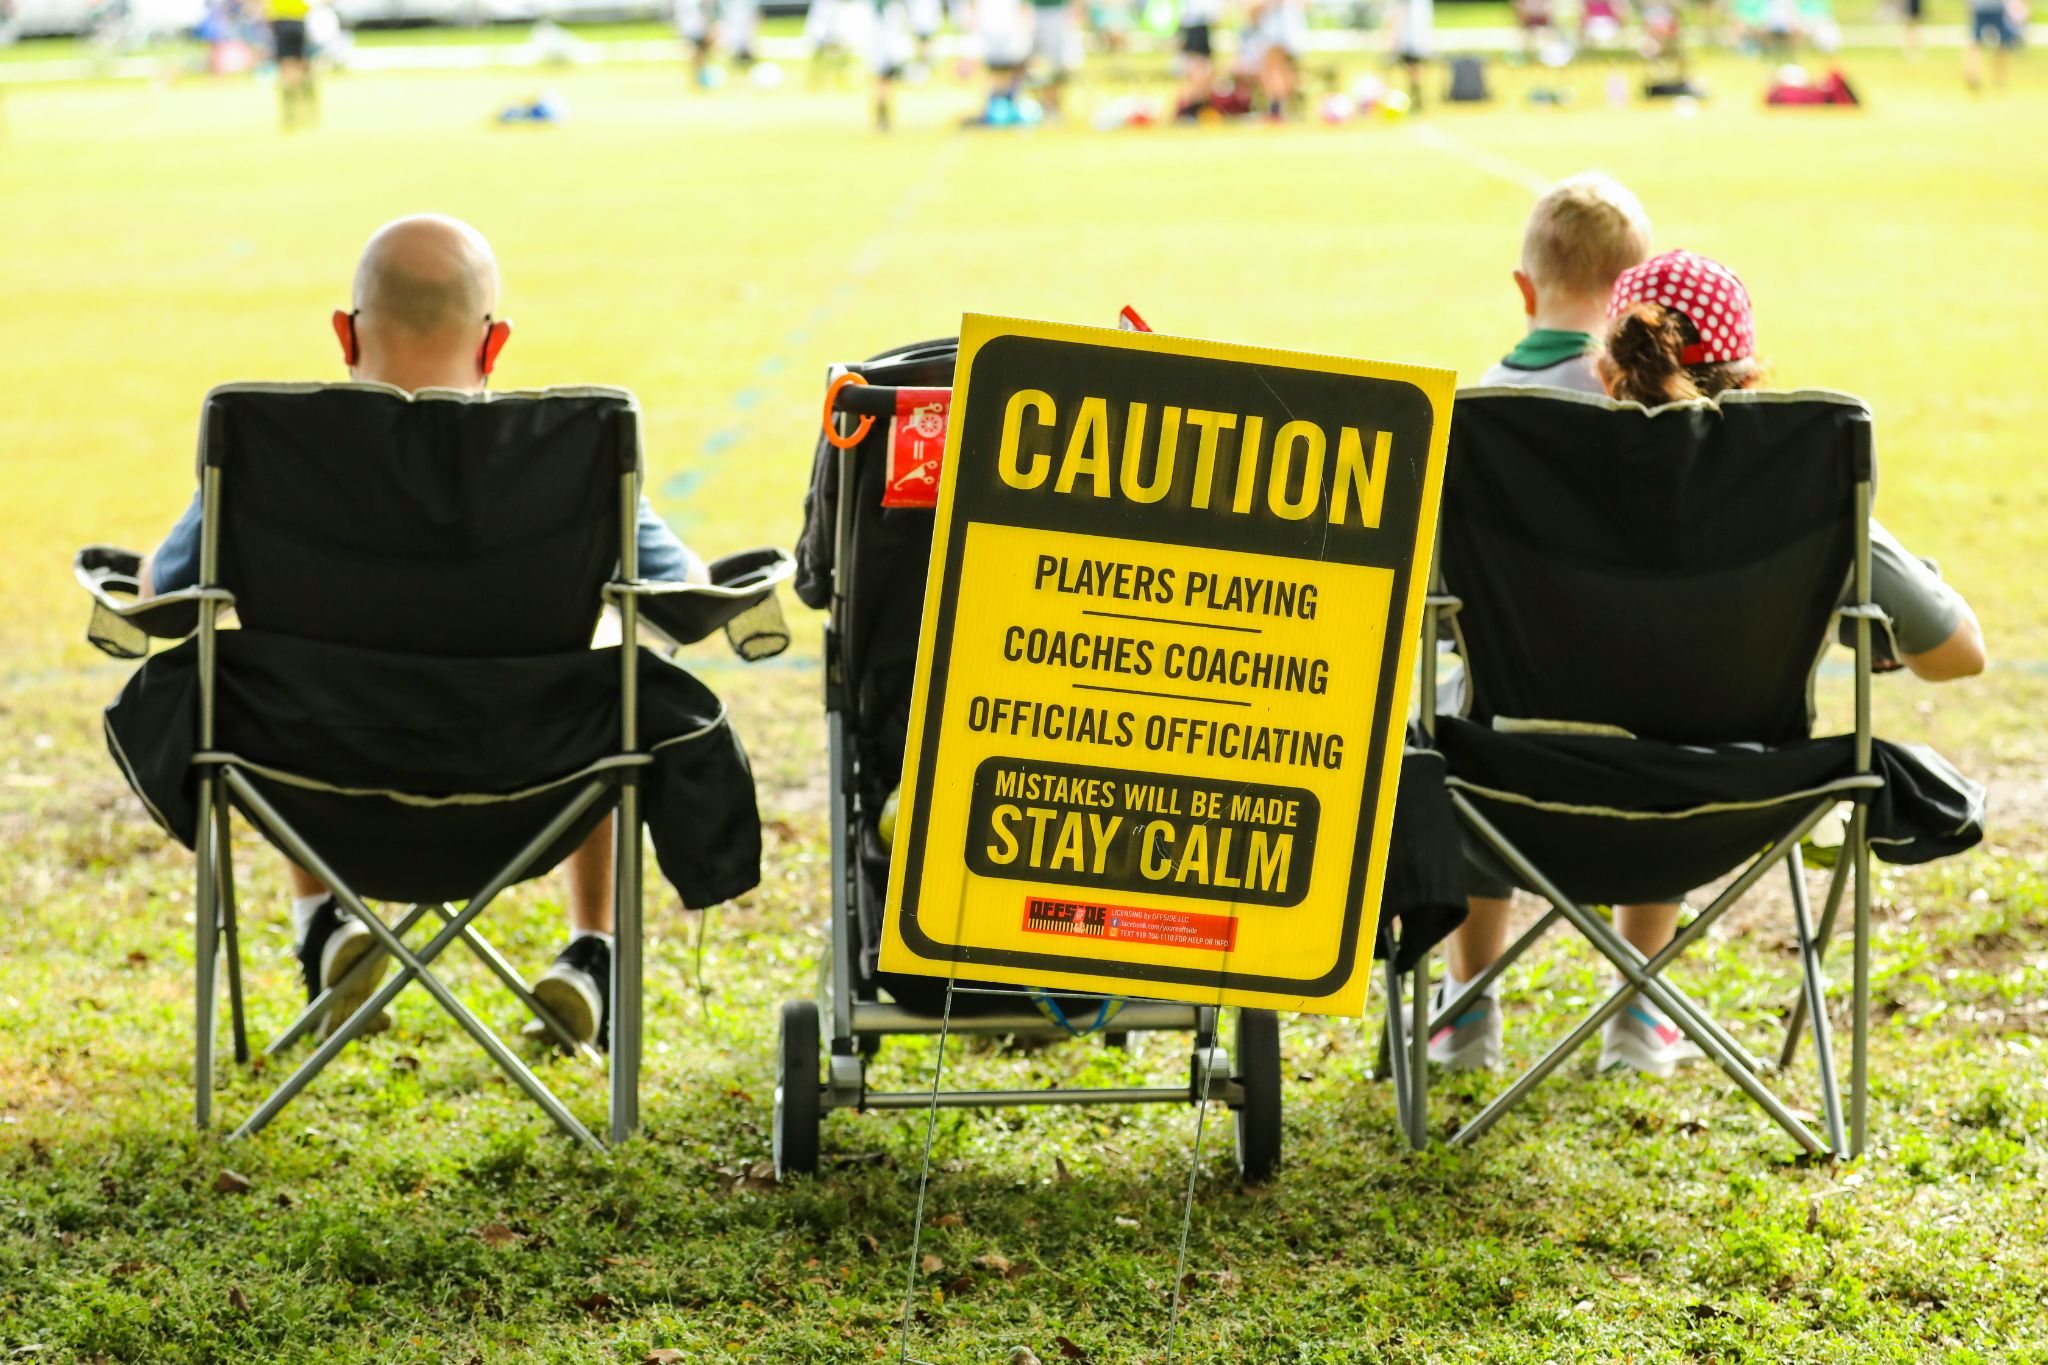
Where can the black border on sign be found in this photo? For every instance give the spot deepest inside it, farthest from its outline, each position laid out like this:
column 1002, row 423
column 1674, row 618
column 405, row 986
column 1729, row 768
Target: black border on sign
column 1369, row 787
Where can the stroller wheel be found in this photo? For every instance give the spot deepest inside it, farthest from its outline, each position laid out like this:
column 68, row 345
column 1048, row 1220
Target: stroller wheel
column 1258, row 1116
column 798, row 1095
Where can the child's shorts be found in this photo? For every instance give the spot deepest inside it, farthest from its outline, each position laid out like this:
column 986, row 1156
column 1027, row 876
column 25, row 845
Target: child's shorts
column 1992, row 25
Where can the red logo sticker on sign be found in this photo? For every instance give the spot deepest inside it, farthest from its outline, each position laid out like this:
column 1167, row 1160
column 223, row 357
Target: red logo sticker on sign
column 917, row 440
column 1130, row 924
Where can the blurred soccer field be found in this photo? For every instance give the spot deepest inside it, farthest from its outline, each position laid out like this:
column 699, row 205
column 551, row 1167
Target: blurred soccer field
column 713, row 253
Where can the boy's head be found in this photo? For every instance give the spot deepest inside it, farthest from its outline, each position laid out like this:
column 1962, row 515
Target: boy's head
column 1581, row 236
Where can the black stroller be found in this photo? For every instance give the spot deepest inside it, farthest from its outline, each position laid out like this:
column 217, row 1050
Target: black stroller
column 864, row 561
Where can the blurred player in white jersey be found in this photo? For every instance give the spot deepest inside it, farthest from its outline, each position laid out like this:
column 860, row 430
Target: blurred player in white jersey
column 704, row 24
column 1275, row 33
column 890, row 48
column 926, row 16
column 1414, row 41
column 1197, row 44
column 1056, row 41
column 1002, row 35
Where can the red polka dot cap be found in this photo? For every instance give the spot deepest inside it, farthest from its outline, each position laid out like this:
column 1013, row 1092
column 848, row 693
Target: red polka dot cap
column 1707, row 292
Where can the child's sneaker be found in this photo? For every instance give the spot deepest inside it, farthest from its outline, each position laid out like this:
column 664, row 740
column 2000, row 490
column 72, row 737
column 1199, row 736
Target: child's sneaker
column 577, row 989
column 1470, row 1042
column 335, row 941
column 1642, row 1039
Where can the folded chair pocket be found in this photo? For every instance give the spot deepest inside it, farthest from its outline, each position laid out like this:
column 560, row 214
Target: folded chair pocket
column 418, row 777
column 1614, row 820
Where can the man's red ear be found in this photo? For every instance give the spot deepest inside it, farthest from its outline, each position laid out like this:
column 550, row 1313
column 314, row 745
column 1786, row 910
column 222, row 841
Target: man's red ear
column 345, row 333
column 495, row 337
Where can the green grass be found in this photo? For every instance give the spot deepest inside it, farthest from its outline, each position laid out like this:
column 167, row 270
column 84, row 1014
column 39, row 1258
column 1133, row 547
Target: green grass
column 714, row 253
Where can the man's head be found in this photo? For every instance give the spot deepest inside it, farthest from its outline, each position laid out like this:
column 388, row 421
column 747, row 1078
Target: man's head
column 425, row 290
column 1581, row 236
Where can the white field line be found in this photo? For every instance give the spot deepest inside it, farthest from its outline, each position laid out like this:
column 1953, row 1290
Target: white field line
column 1492, row 163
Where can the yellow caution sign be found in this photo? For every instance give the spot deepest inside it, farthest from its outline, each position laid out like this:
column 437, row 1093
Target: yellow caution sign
column 1169, row 626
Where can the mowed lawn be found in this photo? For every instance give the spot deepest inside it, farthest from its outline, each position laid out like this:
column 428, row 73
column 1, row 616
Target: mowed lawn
column 714, row 253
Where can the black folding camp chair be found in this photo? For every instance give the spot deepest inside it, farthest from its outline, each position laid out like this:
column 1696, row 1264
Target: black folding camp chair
column 411, row 708
column 1642, row 599
column 863, row 555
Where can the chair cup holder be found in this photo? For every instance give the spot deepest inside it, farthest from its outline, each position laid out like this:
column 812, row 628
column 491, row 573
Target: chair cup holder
column 759, row 632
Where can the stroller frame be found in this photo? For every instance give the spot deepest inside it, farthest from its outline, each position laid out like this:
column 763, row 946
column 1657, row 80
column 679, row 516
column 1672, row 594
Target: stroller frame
column 852, row 1028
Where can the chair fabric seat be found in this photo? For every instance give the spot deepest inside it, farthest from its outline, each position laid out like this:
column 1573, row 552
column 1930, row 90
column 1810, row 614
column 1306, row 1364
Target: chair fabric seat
column 419, row 776
column 1618, row 820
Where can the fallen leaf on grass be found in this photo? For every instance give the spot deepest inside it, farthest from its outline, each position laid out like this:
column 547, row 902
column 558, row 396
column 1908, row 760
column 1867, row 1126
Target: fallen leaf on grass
column 662, row 1355
column 231, row 1182
column 125, row 1269
column 596, row 1304
column 870, row 1244
column 138, row 958
column 959, row 1285
column 238, row 1300
column 1070, row 1351
column 994, row 1261
column 931, row 1264
column 496, row 1235
column 949, row 1220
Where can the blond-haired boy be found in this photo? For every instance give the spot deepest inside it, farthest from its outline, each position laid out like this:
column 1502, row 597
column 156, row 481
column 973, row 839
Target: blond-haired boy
column 1582, row 234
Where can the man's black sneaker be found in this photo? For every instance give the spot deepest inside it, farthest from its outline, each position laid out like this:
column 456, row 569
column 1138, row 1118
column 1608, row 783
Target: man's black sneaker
column 335, row 941
column 577, row 990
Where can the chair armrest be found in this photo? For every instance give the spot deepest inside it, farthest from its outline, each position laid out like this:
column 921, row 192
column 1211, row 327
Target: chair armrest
column 1884, row 646
column 124, row 623
column 740, row 598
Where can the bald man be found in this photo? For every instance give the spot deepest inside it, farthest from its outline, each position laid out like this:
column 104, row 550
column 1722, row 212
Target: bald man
column 424, row 317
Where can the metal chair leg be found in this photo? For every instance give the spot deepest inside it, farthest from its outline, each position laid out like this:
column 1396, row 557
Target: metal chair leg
column 231, row 938
column 1418, row 1056
column 1396, row 1041
column 1641, row 976
column 205, row 957
column 1859, row 1043
column 1830, row 909
column 1815, row 995
column 414, row 966
column 626, row 968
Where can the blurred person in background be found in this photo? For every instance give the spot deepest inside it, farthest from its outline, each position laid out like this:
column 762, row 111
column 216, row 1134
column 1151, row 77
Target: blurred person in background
column 1197, row 42
column 1995, row 24
column 298, row 101
column 1056, row 41
column 1414, row 42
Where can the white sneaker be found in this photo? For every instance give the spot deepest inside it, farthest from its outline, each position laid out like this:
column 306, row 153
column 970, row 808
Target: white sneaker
column 335, row 941
column 1470, row 1042
column 1642, row 1039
